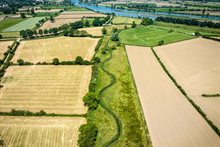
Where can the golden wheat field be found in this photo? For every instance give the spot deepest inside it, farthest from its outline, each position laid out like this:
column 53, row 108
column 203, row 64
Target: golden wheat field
column 40, row 131
column 4, row 47
column 96, row 31
column 79, row 14
column 63, row 48
column 54, row 89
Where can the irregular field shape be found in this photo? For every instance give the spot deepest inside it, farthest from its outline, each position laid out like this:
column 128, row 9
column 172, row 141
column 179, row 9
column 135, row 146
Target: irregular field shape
column 54, row 89
column 57, row 23
column 95, row 31
column 40, row 131
column 27, row 24
column 63, row 48
column 171, row 119
column 4, row 47
column 149, row 36
column 195, row 64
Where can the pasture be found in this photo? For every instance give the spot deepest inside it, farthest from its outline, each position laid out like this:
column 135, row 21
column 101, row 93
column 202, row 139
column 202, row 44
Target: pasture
column 95, row 31
column 54, row 89
column 63, row 48
column 4, row 47
column 150, row 36
column 125, row 20
column 40, row 131
column 195, row 65
column 167, row 112
column 27, row 24
column 7, row 23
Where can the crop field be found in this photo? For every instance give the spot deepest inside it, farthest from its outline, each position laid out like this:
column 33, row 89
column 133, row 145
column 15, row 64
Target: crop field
column 63, row 48
column 150, row 36
column 27, row 24
column 51, row 10
column 4, row 47
column 171, row 119
column 54, row 89
column 79, row 14
column 125, row 20
column 95, row 31
column 195, row 64
column 7, row 23
column 57, row 23
column 40, row 131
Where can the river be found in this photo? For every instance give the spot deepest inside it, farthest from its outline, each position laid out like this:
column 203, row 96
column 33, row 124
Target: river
column 136, row 14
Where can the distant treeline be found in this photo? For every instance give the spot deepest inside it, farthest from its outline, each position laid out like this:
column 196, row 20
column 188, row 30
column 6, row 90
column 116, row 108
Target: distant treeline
column 188, row 21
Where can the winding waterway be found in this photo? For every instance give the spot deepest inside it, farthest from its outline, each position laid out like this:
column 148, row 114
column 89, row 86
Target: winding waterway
column 136, row 14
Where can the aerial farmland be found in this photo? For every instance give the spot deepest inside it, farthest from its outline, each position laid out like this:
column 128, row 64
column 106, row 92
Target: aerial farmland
column 109, row 74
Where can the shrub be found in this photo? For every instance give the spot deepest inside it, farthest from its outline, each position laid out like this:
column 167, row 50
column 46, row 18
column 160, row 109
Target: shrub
column 104, row 31
column 56, row 61
column 20, row 61
column 96, row 60
column 147, row 21
column 133, row 25
column 161, row 42
column 1, row 36
column 79, row 60
column 115, row 37
column 91, row 101
column 87, row 136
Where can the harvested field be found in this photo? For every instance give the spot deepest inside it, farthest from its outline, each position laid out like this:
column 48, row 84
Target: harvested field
column 4, row 47
column 40, row 131
column 95, row 31
column 216, row 13
column 79, row 14
column 63, row 48
column 57, row 23
column 195, row 64
column 171, row 119
column 27, row 24
column 54, row 89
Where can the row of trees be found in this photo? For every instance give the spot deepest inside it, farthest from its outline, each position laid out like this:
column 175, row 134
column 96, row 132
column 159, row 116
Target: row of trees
column 189, row 21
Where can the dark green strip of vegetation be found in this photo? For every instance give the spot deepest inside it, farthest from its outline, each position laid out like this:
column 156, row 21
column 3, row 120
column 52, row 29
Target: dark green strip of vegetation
column 14, row 112
column 215, row 128
column 211, row 95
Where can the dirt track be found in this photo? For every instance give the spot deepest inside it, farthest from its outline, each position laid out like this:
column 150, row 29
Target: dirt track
column 171, row 119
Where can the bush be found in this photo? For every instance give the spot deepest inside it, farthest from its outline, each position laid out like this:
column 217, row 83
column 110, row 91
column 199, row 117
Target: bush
column 161, row 42
column 96, row 60
column 147, row 21
column 79, row 60
column 87, row 136
column 115, row 37
column 56, row 61
column 104, row 31
column 20, row 61
column 91, row 101
column 133, row 25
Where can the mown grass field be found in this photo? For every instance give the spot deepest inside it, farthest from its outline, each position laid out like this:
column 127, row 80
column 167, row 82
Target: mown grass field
column 63, row 48
column 125, row 20
column 7, row 23
column 121, row 98
column 189, row 29
column 24, row 25
column 4, row 47
column 40, row 131
column 54, row 89
column 150, row 36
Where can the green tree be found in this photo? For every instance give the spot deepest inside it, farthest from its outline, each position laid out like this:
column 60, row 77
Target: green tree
column 133, row 25
column 20, row 61
column 115, row 37
column 90, row 100
column 56, row 61
column 147, row 21
column 87, row 24
column 104, row 31
column 52, row 19
column 40, row 31
column 45, row 31
column 1, row 36
column 161, row 42
column 79, row 60
column 22, row 15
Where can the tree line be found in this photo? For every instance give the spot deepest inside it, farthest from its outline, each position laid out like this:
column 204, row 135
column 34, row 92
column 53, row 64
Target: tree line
column 188, row 21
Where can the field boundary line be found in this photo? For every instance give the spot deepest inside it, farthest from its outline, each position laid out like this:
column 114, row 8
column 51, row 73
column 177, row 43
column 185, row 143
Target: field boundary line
column 199, row 110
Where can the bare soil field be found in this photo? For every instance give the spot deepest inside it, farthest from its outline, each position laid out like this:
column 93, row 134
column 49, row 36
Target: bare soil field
column 195, row 64
column 54, row 89
column 172, row 121
column 4, row 47
column 40, row 131
column 78, row 14
column 95, row 31
column 57, row 23
column 63, row 48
